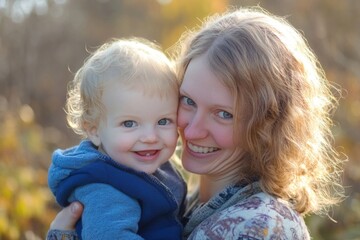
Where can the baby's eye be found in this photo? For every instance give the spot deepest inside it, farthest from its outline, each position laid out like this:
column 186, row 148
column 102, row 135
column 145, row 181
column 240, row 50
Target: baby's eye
column 225, row 115
column 129, row 124
column 164, row 121
column 187, row 101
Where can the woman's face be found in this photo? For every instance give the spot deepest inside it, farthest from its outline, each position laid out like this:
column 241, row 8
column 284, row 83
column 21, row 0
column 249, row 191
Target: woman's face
column 205, row 120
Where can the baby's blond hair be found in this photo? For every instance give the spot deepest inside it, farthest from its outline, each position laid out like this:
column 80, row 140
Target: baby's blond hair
column 134, row 62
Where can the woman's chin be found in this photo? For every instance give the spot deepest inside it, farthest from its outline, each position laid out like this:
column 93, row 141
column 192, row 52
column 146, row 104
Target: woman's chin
column 193, row 164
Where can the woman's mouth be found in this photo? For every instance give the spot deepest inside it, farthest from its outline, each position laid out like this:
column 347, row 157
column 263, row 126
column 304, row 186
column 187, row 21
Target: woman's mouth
column 200, row 149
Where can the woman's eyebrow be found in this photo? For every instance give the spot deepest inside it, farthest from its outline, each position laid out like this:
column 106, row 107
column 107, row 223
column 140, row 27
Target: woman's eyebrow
column 182, row 91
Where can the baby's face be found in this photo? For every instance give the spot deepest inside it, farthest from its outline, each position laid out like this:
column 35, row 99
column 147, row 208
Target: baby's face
column 139, row 130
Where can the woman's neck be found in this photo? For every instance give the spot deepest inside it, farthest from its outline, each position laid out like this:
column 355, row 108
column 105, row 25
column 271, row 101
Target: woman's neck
column 210, row 186
column 213, row 183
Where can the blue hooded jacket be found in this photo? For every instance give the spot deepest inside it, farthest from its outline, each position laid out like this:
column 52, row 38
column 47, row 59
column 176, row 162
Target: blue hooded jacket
column 119, row 202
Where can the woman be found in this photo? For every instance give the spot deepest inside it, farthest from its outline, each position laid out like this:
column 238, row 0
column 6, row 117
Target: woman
column 254, row 120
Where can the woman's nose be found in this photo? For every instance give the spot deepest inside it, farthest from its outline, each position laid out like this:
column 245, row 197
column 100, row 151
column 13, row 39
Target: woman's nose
column 196, row 127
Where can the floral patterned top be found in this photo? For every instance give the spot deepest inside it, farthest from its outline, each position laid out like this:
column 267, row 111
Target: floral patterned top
column 245, row 212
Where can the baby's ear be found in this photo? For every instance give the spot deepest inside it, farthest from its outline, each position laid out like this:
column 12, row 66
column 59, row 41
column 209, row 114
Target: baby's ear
column 92, row 133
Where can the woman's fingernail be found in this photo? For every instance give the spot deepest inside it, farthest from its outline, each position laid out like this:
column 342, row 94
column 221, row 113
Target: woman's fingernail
column 74, row 208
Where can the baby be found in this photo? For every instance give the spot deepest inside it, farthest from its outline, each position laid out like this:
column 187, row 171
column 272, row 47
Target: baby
column 124, row 101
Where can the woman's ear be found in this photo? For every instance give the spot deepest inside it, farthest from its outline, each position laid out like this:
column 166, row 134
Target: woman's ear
column 93, row 133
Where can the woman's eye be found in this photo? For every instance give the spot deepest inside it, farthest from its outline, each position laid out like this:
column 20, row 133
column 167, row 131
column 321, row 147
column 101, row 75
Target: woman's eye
column 225, row 115
column 164, row 121
column 129, row 124
column 187, row 101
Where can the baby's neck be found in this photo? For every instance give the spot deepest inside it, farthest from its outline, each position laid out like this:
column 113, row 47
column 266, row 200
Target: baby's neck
column 101, row 149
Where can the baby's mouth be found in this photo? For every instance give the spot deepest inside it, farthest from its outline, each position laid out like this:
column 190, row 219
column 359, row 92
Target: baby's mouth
column 200, row 149
column 147, row 153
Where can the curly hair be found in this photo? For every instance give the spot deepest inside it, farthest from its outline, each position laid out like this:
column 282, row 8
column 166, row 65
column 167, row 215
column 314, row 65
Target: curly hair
column 283, row 102
column 134, row 62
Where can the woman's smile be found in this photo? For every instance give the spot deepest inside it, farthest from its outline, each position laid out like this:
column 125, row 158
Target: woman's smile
column 201, row 149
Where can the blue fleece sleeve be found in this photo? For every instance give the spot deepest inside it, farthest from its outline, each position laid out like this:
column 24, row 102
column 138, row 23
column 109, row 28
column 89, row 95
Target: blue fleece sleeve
column 108, row 213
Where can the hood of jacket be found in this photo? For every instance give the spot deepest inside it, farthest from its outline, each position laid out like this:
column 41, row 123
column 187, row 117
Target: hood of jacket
column 64, row 161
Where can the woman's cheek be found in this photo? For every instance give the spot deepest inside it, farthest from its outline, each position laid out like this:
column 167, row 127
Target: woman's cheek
column 223, row 136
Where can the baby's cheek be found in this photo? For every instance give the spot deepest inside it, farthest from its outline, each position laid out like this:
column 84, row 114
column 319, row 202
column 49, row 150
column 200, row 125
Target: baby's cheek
column 172, row 139
column 123, row 144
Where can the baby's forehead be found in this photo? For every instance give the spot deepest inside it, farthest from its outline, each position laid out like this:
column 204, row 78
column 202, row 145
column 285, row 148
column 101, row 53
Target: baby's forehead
column 150, row 81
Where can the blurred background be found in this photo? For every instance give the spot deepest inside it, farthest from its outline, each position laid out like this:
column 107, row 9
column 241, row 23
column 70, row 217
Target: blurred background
column 44, row 42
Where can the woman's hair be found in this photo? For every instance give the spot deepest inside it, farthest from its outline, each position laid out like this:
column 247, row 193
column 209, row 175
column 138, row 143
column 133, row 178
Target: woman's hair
column 283, row 103
column 134, row 62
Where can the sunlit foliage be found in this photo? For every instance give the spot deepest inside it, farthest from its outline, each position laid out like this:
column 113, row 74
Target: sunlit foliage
column 26, row 204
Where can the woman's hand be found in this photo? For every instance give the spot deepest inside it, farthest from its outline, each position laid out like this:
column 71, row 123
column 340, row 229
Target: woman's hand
column 67, row 217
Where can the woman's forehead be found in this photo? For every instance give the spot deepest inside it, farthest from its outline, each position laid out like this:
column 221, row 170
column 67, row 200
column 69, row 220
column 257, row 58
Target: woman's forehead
column 201, row 83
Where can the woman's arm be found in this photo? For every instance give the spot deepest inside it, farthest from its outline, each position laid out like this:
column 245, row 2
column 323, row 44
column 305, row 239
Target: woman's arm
column 63, row 226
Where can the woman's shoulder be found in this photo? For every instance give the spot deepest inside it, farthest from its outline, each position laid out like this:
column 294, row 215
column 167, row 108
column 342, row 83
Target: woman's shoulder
column 262, row 203
column 260, row 216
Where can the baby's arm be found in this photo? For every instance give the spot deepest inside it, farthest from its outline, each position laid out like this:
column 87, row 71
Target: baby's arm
column 108, row 213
